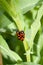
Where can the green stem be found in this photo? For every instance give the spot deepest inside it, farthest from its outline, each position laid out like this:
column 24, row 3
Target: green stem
column 17, row 19
column 26, row 46
column 40, row 13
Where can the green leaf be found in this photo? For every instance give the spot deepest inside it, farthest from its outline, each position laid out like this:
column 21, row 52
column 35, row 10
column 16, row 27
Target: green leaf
column 25, row 5
column 6, row 52
column 36, row 24
column 4, row 21
column 40, row 44
column 34, row 28
column 36, row 59
column 27, row 63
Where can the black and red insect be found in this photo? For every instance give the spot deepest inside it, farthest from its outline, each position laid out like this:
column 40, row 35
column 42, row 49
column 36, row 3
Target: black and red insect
column 20, row 35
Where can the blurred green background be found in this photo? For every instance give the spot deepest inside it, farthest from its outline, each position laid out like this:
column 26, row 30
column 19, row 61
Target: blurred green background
column 26, row 15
